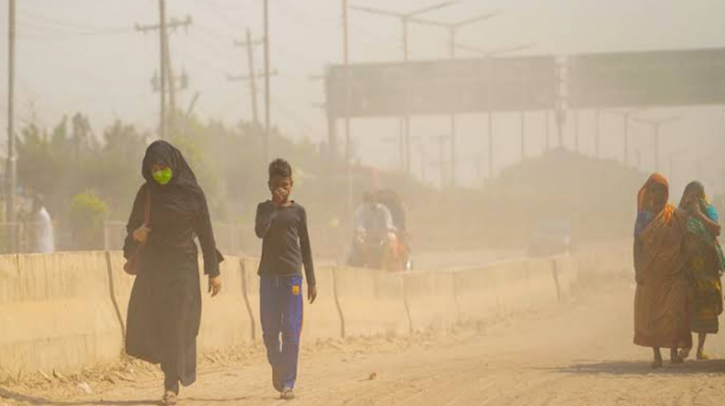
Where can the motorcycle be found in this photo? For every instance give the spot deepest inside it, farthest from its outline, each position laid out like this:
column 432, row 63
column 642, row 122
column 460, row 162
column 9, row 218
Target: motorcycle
column 386, row 253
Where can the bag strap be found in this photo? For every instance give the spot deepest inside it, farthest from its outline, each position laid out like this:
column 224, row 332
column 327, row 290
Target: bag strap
column 147, row 207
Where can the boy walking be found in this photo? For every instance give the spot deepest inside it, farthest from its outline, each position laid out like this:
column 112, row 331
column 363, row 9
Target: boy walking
column 282, row 224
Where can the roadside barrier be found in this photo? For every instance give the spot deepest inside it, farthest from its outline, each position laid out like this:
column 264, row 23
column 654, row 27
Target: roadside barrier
column 66, row 311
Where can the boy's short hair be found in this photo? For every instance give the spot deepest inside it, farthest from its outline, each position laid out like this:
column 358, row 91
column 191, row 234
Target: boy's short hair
column 280, row 167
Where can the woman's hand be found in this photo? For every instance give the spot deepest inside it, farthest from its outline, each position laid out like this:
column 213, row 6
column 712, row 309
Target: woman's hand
column 215, row 285
column 141, row 234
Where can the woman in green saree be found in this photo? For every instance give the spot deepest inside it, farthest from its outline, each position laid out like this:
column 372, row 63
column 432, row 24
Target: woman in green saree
column 704, row 264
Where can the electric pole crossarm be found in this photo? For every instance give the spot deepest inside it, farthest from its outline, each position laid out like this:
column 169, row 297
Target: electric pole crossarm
column 173, row 25
column 473, row 20
column 493, row 52
column 238, row 43
column 432, row 23
column 404, row 16
column 458, row 24
column 435, row 7
column 257, row 76
column 377, row 11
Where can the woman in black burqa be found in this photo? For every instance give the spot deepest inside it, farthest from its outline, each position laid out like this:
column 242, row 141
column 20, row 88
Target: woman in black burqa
column 164, row 311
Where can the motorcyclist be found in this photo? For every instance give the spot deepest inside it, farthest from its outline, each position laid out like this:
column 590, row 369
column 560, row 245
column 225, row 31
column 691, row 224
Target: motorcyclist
column 373, row 220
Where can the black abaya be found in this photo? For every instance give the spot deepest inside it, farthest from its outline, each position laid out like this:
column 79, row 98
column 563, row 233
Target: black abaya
column 164, row 311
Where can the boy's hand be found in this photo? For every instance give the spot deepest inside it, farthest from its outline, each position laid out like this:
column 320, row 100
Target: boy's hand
column 215, row 285
column 279, row 196
column 311, row 293
column 141, row 234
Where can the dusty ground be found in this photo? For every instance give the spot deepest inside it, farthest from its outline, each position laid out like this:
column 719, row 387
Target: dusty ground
column 574, row 354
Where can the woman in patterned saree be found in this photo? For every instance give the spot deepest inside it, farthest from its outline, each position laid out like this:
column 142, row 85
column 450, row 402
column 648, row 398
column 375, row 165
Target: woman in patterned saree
column 704, row 263
column 661, row 298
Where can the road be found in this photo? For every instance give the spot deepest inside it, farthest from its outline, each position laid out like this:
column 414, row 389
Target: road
column 578, row 353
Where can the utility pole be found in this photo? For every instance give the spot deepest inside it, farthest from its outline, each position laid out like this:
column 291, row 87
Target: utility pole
column 490, row 54
column 522, row 136
column 597, row 137
column 656, row 124
column 11, row 164
column 522, row 116
column 561, row 99
column 405, row 19
column 442, row 163
column 163, row 59
column 267, row 90
column 576, row 130
column 423, row 163
column 452, row 32
column 626, row 115
column 346, row 63
column 251, row 74
column 167, row 81
column 546, row 131
column 672, row 161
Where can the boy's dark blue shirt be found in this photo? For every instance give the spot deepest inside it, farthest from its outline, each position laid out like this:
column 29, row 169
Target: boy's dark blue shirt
column 286, row 240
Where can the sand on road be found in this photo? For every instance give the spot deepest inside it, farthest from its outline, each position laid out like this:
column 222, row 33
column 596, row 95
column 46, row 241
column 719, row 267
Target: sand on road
column 578, row 353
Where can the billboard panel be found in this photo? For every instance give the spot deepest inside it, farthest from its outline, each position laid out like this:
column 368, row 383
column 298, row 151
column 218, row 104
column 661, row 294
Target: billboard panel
column 439, row 87
column 656, row 78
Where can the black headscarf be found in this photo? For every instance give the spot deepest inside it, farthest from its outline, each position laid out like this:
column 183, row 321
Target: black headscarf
column 182, row 194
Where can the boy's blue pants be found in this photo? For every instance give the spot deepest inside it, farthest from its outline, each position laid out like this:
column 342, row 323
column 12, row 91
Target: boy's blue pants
column 281, row 314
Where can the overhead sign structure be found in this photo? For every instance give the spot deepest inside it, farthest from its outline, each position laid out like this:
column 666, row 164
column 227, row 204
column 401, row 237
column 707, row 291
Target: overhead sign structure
column 655, row 78
column 442, row 87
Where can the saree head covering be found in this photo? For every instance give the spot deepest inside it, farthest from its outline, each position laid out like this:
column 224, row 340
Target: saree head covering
column 643, row 195
column 660, row 312
column 645, row 212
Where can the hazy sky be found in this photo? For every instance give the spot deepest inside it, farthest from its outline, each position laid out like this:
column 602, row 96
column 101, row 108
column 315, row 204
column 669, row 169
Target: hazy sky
column 84, row 55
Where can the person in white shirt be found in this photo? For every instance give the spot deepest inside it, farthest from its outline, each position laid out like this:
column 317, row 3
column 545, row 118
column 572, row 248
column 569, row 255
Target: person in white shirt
column 373, row 218
column 42, row 226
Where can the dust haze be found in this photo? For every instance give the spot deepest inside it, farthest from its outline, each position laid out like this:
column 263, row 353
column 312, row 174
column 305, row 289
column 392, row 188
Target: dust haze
column 487, row 166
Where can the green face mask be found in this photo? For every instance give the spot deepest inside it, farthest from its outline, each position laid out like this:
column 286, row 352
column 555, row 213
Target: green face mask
column 162, row 177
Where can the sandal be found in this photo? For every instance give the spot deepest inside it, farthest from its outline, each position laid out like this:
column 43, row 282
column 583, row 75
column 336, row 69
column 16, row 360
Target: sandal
column 287, row 394
column 702, row 356
column 169, row 398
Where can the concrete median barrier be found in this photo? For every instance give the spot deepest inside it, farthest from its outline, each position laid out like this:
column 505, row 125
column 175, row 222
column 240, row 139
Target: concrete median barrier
column 323, row 318
column 66, row 311
column 542, row 282
column 566, row 271
column 250, row 279
column 121, row 284
column 225, row 319
column 476, row 294
column 372, row 302
column 430, row 299
column 512, row 286
column 56, row 312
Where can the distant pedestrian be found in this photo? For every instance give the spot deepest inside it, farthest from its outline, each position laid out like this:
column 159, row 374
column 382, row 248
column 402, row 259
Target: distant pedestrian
column 42, row 228
column 704, row 263
column 282, row 224
column 164, row 311
column 660, row 303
